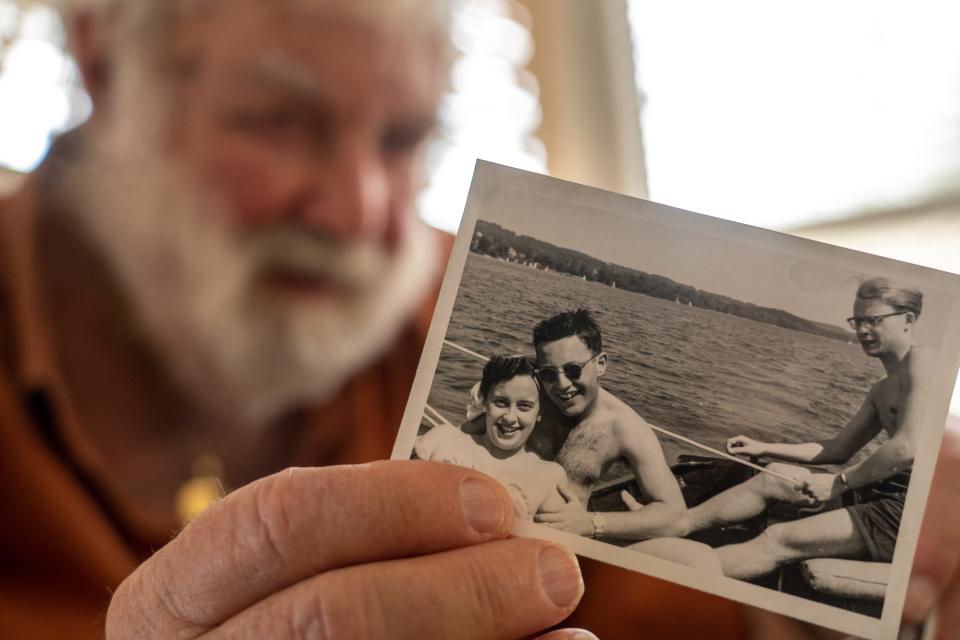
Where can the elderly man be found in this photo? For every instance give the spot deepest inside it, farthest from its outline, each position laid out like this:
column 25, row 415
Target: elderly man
column 220, row 277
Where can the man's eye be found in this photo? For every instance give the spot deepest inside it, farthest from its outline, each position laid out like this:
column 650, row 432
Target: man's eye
column 269, row 121
column 525, row 406
column 283, row 119
column 400, row 140
column 500, row 402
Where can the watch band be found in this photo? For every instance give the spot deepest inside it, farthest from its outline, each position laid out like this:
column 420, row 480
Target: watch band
column 843, row 480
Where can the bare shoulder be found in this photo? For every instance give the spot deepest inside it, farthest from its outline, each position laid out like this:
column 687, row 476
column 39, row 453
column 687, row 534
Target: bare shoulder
column 438, row 436
column 921, row 361
column 546, row 469
column 626, row 423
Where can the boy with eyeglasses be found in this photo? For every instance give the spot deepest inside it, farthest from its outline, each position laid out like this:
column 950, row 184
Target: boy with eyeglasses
column 600, row 428
column 884, row 317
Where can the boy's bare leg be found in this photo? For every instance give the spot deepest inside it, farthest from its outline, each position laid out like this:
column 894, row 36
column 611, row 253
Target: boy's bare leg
column 830, row 534
column 749, row 499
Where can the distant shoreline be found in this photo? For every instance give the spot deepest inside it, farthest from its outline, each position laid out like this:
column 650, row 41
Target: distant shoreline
column 490, row 239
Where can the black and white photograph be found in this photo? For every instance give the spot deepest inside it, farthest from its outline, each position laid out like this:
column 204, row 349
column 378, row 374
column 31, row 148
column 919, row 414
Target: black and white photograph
column 740, row 411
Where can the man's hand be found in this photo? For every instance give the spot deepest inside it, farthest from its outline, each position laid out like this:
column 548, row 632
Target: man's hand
column 573, row 517
column 744, row 446
column 390, row 549
column 631, row 503
column 821, row 487
column 935, row 580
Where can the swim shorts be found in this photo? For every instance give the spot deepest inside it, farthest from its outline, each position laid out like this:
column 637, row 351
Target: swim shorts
column 877, row 515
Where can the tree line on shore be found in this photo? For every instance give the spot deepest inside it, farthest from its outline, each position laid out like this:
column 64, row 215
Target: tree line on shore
column 493, row 240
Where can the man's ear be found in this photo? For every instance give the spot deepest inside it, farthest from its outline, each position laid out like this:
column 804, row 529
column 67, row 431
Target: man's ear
column 601, row 363
column 87, row 32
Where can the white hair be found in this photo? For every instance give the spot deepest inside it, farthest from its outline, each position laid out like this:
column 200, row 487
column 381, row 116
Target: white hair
column 148, row 21
column 193, row 282
column 191, row 278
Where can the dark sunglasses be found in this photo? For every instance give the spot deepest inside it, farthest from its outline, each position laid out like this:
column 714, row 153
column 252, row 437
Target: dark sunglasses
column 871, row 321
column 572, row 371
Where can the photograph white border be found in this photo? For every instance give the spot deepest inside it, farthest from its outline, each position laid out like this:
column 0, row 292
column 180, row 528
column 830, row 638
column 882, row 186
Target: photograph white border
column 490, row 177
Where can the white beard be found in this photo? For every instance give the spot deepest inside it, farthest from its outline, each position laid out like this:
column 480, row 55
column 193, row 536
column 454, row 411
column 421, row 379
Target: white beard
column 196, row 285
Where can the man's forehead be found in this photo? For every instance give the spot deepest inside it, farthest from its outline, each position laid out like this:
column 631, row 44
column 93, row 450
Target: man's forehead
column 284, row 40
column 564, row 349
column 413, row 18
column 283, row 71
column 872, row 306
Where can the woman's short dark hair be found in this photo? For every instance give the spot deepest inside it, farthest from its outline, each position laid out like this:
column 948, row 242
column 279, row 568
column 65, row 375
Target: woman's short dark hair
column 503, row 368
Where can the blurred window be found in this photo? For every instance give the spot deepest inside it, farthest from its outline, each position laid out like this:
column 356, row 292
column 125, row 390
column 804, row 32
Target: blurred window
column 786, row 114
column 40, row 89
column 491, row 111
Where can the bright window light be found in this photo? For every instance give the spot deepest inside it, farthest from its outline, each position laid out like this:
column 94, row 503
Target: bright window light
column 492, row 110
column 40, row 94
column 785, row 114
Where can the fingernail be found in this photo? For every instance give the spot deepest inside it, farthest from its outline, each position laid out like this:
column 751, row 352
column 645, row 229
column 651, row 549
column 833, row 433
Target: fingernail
column 921, row 596
column 482, row 505
column 569, row 634
column 560, row 576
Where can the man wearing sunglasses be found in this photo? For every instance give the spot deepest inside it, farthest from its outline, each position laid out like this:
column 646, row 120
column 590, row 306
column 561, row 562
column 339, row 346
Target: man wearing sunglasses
column 601, row 428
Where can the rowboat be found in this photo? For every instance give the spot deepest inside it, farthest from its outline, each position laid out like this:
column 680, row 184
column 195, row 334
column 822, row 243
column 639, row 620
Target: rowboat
column 853, row 585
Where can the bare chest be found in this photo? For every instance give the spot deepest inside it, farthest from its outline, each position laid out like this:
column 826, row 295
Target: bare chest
column 888, row 400
column 588, row 451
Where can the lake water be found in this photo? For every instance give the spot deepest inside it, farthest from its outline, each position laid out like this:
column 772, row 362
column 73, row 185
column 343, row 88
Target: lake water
column 702, row 374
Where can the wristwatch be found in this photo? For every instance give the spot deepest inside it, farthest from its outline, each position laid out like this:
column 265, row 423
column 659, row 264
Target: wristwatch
column 843, row 480
column 599, row 524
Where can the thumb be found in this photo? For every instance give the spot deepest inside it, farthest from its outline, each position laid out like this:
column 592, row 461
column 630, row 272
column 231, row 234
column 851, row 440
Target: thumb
column 569, row 634
column 566, row 494
column 630, row 501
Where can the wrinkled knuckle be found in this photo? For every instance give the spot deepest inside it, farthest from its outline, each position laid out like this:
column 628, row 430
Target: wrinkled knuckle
column 335, row 611
column 138, row 609
column 271, row 516
column 118, row 610
column 488, row 590
column 171, row 606
column 306, row 619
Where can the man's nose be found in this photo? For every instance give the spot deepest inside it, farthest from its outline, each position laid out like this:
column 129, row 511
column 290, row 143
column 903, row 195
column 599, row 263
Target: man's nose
column 349, row 194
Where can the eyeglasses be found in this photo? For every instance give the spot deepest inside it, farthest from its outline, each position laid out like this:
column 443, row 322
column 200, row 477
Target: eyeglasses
column 871, row 321
column 572, row 370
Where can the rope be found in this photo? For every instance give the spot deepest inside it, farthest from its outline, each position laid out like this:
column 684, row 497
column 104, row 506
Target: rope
column 433, row 423
column 722, row 454
column 661, row 430
column 436, row 418
column 465, row 350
